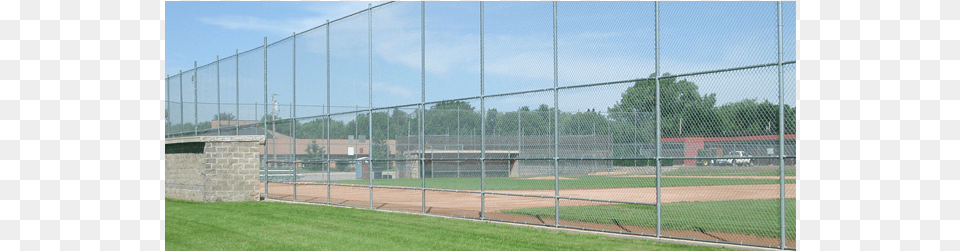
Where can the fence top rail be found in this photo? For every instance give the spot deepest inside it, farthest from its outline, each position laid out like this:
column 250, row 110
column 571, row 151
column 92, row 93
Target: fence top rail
column 344, row 17
column 229, row 138
column 298, row 33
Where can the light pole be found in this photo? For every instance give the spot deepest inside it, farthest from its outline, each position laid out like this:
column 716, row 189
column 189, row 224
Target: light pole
column 273, row 123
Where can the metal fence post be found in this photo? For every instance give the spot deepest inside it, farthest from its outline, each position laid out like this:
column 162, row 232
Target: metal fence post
column 556, row 124
column 293, row 118
column 595, row 142
column 266, row 170
column 328, row 109
column 483, row 127
column 180, row 75
column 658, row 108
column 423, row 100
column 196, row 102
column 783, row 212
column 166, row 117
column 237, row 79
column 218, row 95
column 458, row 141
column 370, row 93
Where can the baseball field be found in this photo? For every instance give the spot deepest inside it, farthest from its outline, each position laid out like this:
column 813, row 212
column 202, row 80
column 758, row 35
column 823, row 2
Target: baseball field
column 715, row 206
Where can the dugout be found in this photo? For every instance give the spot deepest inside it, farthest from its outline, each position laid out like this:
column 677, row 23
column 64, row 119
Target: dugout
column 463, row 163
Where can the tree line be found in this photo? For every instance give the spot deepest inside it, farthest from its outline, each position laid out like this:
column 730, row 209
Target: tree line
column 685, row 112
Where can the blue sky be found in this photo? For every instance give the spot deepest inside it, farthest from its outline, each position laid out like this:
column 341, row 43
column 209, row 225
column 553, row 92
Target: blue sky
column 199, row 31
column 598, row 42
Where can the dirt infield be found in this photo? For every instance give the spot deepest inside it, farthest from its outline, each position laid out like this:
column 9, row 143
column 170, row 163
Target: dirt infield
column 468, row 204
column 470, row 201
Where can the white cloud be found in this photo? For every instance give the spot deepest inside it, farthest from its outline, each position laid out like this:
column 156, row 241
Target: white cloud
column 586, row 57
column 323, row 11
column 338, row 9
column 393, row 90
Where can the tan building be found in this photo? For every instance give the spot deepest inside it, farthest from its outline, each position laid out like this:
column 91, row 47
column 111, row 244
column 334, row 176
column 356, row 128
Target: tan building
column 280, row 144
column 283, row 147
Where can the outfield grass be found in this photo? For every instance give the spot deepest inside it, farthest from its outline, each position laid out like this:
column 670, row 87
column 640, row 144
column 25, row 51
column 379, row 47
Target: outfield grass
column 281, row 226
column 503, row 183
column 730, row 171
column 758, row 217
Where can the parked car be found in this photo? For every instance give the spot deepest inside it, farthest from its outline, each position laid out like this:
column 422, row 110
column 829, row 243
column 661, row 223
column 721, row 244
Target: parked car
column 735, row 162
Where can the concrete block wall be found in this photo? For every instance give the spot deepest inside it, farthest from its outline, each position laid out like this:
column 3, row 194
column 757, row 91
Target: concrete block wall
column 228, row 169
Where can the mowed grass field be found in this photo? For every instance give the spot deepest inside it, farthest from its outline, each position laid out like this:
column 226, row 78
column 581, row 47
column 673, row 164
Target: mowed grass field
column 757, row 217
column 771, row 171
column 504, row 183
column 281, row 226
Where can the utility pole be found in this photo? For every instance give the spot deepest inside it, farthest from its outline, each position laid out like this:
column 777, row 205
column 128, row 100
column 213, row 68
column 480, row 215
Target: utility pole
column 273, row 122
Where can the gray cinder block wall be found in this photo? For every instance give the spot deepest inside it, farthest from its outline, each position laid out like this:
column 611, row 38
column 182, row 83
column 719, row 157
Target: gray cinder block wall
column 227, row 169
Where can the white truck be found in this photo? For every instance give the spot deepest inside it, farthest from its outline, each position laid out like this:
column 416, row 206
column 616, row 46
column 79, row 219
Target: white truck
column 740, row 161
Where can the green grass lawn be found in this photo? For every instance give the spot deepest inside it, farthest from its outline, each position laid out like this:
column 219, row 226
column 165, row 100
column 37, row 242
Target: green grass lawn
column 503, row 183
column 758, row 217
column 730, row 171
column 281, row 226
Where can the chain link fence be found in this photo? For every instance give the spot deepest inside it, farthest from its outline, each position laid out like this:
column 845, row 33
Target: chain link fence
column 673, row 119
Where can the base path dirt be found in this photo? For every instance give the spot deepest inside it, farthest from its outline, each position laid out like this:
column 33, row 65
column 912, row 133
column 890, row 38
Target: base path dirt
column 470, row 201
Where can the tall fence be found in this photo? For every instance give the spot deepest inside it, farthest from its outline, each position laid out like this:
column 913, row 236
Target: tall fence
column 666, row 119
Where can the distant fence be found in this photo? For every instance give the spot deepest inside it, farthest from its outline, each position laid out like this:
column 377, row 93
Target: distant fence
column 608, row 116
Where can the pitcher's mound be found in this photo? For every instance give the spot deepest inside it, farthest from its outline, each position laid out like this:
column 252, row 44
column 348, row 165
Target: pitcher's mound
column 548, row 178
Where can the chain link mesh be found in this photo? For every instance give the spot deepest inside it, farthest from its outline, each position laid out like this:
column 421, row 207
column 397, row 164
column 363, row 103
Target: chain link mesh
column 539, row 113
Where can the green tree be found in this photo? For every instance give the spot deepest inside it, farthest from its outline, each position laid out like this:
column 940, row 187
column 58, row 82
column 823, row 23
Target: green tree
column 398, row 124
column 270, row 117
column 584, row 123
column 451, row 117
column 532, row 122
column 538, row 122
column 313, row 129
column 278, row 124
column 189, row 128
column 381, row 150
column 453, row 105
column 752, row 117
column 315, row 152
column 683, row 110
column 224, row 116
column 204, row 126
